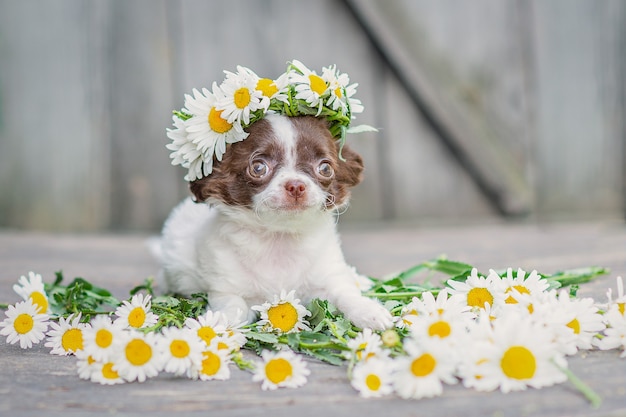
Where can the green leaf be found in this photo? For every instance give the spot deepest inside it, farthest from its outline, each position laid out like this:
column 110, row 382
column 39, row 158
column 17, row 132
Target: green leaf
column 326, row 355
column 361, row 129
column 319, row 310
column 262, row 337
column 146, row 286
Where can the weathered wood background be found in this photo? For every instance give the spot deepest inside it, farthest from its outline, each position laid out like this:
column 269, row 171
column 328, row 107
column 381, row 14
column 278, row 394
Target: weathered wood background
column 485, row 108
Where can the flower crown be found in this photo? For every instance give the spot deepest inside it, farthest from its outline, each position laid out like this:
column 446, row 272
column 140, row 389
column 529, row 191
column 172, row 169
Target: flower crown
column 212, row 119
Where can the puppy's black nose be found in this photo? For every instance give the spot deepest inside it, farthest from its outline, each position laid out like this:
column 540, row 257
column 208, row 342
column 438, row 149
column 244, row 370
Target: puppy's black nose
column 295, row 188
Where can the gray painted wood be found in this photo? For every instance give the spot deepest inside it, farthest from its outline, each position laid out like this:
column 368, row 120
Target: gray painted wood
column 86, row 91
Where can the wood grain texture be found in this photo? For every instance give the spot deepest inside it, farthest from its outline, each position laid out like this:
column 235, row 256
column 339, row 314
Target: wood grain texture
column 86, row 91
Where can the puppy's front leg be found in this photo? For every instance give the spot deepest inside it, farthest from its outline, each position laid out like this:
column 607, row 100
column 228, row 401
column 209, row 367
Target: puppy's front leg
column 362, row 311
column 231, row 305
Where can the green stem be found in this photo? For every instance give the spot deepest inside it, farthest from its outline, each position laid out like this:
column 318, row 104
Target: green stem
column 399, row 294
column 327, row 345
column 241, row 363
column 584, row 389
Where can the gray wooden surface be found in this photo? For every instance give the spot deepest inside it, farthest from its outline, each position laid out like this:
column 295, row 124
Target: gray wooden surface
column 36, row 383
column 534, row 89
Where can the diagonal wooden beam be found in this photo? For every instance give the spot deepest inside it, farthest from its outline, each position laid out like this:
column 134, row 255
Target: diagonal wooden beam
column 487, row 162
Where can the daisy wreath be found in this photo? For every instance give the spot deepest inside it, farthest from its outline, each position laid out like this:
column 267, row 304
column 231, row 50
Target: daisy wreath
column 213, row 119
column 518, row 338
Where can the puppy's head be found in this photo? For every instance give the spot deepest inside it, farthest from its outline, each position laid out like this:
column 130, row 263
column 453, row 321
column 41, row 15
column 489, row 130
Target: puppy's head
column 287, row 165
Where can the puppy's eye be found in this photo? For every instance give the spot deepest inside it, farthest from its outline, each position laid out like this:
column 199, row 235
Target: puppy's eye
column 258, row 168
column 325, row 170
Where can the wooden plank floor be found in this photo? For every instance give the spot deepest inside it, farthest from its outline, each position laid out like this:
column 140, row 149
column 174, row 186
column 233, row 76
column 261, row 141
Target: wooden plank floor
column 34, row 382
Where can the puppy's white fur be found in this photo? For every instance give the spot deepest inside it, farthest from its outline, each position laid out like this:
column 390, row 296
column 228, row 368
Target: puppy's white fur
column 242, row 257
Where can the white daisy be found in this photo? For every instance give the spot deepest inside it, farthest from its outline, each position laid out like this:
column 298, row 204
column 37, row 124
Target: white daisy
column 136, row 356
column 214, row 364
column 309, row 86
column 207, row 128
column 615, row 333
column 475, row 354
column 98, row 339
column 583, row 323
column 366, row 345
column 235, row 335
column 522, row 354
column 275, row 89
column 85, row 364
column 447, row 327
column 136, row 314
column 420, row 374
column 532, row 284
column 284, row 315
column 208, row 326
column 24, row 323
column 181, row 350
column 341, row 91
column 241, row 97
column 478, row 290
column 620, row 302
column 66, row 336
column 104, row 373
column 373, row 378
column 445, row 303
column 33, row 288
column 410, row 312
column 280, row 369
column 185, row 153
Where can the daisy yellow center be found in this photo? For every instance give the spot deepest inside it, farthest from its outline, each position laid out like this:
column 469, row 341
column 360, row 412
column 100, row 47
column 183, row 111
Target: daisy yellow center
column 40, row 300
column 242, row 97
column 477, row 297
column 267, row 87
column 138, row 352
column 104, row 338
column 90, row 360
column 574, row 325
column 207, row 334
column 108, row 372
column 222, row 346
column 278, row 370
column 216, row 122
column 424, row 365
column 338, row 92
column 620, row 308
column 283, row 316
column 440, row 328
column 179, row 348
column 318, row 85
column 137, row 317
column 518, row 363
column 520, row 289
column 373, row 382
column 531, row 309
column 72, row 340
column 211, row 363
column 23, row 323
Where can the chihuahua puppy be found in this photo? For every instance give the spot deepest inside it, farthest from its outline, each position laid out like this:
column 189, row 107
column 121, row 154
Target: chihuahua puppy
column 265, row 220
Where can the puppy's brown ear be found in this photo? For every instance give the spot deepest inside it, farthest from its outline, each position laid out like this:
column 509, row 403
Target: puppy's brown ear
column 350, row 170
column 349, row 173
column 200, row 189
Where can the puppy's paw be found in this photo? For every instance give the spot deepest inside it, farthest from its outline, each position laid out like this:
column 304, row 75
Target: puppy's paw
column 367, row 313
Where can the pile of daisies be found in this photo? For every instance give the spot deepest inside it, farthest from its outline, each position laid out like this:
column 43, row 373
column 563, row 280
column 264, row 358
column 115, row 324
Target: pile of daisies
column 506, row 331
column 211, row 119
